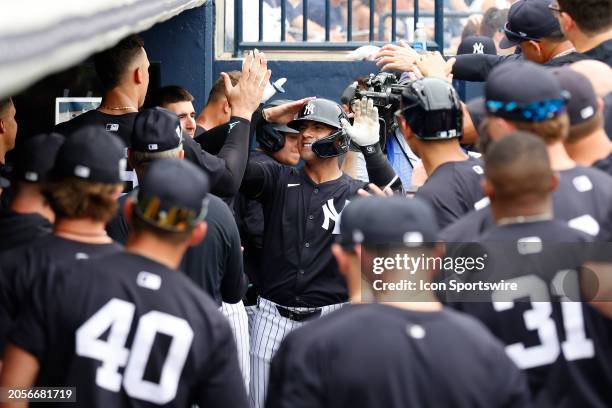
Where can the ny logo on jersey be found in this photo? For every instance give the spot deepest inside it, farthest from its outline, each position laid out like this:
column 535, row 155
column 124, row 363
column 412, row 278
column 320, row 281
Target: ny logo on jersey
column 478, row 48
column 330, row 213
column 309, row 109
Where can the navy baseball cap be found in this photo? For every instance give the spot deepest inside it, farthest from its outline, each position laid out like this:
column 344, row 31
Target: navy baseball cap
column 36, row 157
column 164, row 203
column 477, row 45
column 523, row 91
column 156, row 130
column 582, row 103
column 91, row 154
column 395, row 221
column 529, row 20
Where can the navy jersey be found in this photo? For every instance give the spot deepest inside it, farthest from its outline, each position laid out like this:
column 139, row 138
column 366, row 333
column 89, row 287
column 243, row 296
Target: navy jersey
column 453, row 189
column 583, row 199
column 300, row 219
column 560, row 341
column 605, row 164
column 373, row 356
column 167, row 344
column 17, row 229
column 214, row 263
column 224, row 171
column 120, row 125
column 19, row 268
column 250, row 221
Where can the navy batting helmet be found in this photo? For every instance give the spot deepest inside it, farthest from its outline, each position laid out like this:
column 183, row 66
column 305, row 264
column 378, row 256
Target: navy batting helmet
column 329, row 113
column 432, row 109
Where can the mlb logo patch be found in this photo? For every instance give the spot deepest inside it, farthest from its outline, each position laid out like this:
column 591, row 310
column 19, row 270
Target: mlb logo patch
column 152, row 146
column 112, row 127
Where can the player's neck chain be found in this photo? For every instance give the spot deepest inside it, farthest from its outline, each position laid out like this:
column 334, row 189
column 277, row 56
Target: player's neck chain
column 524, row 219
column 117, row 108
column 564, row 53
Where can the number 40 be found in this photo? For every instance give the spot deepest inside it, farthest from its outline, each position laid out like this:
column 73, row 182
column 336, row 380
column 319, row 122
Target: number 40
column 118, row 315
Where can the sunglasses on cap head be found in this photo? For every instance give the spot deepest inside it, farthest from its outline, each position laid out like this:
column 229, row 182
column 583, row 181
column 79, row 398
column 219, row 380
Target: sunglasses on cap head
column 532, row 112
column 514, row 36
column 173, row 219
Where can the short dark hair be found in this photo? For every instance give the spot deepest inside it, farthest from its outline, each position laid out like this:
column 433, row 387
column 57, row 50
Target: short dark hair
column 591, row 16
column 518, row 165
column 112, row 63
column 218, row 89
column 493, row 21
column 71, row 198
column 166, row 95
column 586, row 128
column 4, row 105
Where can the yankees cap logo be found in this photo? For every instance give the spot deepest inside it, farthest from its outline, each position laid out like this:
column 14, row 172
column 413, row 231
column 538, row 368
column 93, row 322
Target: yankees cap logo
column 478, row 48
column 309, row 109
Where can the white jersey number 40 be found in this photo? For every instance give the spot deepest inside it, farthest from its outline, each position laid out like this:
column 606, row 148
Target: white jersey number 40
column 118, row 316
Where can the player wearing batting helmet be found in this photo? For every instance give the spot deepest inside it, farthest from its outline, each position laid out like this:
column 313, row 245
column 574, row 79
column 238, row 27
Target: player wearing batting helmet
column 299, row 279
column 431, row 119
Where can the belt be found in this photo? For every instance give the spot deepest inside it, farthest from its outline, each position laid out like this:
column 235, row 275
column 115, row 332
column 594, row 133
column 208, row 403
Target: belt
column 297, row 316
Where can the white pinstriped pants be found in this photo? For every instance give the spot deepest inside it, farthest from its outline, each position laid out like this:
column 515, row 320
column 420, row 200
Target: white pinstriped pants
column 237, row 317
column 268, row 331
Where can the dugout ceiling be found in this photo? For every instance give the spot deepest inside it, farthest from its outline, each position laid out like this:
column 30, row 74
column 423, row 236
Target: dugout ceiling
column 40, row 37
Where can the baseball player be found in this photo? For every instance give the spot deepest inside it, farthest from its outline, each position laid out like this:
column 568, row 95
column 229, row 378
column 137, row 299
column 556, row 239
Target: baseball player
column 123, row 71
column 29, row 215
column 276, row 143
column 431, row 120
column 82, row 189
column 390, row 354
column 565, row 349
column 584, row 196
column 214, row 263
column 167, row 344
column 299, row 279
column 587, row 142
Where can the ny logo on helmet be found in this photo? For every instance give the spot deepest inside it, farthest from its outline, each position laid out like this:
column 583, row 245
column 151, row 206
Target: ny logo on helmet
column 478, row 48
column 309, row 109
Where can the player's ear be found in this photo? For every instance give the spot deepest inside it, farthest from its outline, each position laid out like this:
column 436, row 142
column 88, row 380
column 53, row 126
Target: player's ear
column 487, row 188
column 130, row 158
column 181, row 155
column 138, row 75
column 2, row 126
column 341, row 258
column 128, row 208
column 600, row 105
column 554, row 181
column 198, row 233
column 226, row 107
column 117, row 191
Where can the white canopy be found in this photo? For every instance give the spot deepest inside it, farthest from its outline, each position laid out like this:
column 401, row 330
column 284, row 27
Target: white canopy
column 39, row 37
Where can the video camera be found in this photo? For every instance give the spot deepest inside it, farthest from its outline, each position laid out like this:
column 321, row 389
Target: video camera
column 385, row 90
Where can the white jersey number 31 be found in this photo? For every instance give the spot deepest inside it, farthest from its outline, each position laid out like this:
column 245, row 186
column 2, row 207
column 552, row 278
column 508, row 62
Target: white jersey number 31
column 118, row 316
